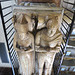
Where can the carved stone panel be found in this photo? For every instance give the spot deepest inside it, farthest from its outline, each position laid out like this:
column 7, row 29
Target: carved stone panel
column 37, row 45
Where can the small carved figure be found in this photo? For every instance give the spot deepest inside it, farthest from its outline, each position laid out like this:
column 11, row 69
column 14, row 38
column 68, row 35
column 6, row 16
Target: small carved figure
column 24, row 44
column 50, row 37
column 48, row 44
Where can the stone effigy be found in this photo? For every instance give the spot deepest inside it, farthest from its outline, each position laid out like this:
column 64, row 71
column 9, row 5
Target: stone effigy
column 48, row 43
column 24, row 43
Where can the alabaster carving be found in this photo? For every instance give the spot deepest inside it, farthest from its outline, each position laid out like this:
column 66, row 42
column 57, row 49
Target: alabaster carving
column 41, row 21
column 24, row 44
column 48, row 43
column 50, row 37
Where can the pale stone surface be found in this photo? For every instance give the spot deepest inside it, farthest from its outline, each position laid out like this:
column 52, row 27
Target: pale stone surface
column 48, row 40
column 47, row 59
column 42, row 19
column 26, row 62
column 51, row 36
column 24, row 44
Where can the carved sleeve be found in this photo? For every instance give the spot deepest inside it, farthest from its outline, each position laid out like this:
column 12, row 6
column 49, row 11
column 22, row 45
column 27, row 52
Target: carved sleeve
column 37, row 39
column 53, row 31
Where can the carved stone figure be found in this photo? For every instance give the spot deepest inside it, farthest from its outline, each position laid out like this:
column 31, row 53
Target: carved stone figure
column 50, row 37
column 48, row 44
column 24, row 44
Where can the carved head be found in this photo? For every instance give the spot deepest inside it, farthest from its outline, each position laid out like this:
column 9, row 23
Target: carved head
column 52, row 25
column 21, row 18
column 21, row 24
column 31, row 22
column 52, row 22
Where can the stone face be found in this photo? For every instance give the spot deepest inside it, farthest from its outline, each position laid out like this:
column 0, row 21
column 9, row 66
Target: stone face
column 40, row 48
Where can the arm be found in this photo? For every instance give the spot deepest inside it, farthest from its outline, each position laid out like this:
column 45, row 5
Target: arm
column 56, row 42
column 37, row 39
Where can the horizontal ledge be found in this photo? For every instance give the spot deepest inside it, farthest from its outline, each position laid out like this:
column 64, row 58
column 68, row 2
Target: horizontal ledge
column 37, row 8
